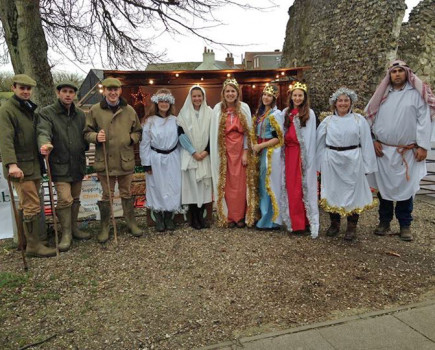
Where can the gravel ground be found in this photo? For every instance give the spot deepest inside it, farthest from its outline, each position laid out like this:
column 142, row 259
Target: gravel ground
column 194, row 288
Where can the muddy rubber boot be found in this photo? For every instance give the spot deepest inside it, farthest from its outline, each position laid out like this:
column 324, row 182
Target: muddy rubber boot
column 202, row 220
column 103, row 235
column 160, row 221
column 169, row 222
column 76, row 233
column 34, row 246
column 194, row 216
column 406, row 234
column 128, row 208
column 64, row 216
column 352, row 222
column 334, row 228
column 382, row 229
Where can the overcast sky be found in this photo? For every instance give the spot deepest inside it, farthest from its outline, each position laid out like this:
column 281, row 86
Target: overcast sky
column 255, row 30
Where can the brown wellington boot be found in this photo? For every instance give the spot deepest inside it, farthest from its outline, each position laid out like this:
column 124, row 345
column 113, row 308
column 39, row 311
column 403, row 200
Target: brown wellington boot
column 352, row 222
column 64, row 216
column 76, row 233
column 34, row 246
column 334, row 228
column 405, row 233
column 128, row 208
column 382, row 229
column 103, row 235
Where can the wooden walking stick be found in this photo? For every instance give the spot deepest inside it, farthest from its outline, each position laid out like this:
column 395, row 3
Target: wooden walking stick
column 53, row 209
column 112, row 214
column 18, row 224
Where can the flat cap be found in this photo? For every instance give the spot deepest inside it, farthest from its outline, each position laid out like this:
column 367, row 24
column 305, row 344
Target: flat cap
column 111, row 82
column 70, row 84
column 23, row 79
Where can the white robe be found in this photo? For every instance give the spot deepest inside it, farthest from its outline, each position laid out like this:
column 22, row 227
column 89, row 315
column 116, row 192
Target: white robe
column 214, row 146
column 196, row 176
column 344, row 184
column 307, row 140
column 403, row 119
column 163, row 186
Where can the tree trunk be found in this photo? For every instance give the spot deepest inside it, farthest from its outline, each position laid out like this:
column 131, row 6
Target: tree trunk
column 27, row 46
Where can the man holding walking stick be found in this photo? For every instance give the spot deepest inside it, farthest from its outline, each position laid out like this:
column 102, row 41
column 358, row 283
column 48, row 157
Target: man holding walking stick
column 114, row 124
column 21, row 160
column 60, row 135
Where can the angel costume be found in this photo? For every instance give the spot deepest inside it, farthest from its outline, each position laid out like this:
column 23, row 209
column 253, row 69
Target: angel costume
column 299, row 183
column 159, row 149
column 233, row 189
column 345, row 154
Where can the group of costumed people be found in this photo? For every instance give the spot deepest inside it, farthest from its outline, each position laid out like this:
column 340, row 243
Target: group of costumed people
column 262, row 170
column 259, row 170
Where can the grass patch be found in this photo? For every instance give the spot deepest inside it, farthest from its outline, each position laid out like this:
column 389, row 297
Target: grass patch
column 12, row 280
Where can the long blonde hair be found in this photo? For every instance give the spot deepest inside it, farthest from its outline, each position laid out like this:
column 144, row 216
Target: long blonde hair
column 224, row 105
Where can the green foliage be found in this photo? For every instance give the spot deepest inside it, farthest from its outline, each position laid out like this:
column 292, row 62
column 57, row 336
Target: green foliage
column 6, row 79
column 67, row 76
column 11, row 280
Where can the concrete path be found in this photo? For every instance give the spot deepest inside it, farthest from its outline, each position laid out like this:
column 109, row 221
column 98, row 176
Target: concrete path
column 411, row 328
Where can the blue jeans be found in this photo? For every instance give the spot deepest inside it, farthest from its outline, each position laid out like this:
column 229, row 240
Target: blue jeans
column 403, row 211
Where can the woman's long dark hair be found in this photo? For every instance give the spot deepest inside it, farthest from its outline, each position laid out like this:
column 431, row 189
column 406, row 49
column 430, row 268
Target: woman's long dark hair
column 261, row 107
column 304, row 110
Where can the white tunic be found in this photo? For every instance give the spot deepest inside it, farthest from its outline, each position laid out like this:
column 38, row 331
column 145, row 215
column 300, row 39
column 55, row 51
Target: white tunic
column 344, row 184
column 163, row 186
column 403, row 119
column 307, row 141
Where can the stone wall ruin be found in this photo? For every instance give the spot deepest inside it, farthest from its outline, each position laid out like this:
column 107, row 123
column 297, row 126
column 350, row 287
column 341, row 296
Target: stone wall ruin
column 350, row 43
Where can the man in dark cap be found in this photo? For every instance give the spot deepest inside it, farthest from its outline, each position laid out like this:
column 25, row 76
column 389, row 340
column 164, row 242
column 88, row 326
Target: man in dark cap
column 21, row 159
column 60, row 134
column 115, row 123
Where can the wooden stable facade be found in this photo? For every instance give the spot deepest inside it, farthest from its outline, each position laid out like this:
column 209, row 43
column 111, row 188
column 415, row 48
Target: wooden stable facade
column 139, row 86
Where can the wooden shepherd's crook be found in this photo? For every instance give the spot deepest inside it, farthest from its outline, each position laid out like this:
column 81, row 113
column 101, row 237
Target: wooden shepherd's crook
column 17, row 223
column 53, row 209
column 112, row 214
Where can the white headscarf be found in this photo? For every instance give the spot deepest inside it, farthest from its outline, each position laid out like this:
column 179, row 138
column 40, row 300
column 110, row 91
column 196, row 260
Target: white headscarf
column 197, row 129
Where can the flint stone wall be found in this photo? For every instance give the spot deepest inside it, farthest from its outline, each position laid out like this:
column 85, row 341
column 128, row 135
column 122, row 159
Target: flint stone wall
column 350, row 43
column 417, row 41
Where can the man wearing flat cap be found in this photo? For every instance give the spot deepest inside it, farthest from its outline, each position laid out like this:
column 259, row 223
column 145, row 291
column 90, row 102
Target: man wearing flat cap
column 60, row 135
column 115, row 123
column 399, row 113
column 22, row 162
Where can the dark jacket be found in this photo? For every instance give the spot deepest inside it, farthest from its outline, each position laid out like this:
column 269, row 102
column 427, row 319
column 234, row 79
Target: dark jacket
column 65, row 132
column 123, row 131
column 18, row 138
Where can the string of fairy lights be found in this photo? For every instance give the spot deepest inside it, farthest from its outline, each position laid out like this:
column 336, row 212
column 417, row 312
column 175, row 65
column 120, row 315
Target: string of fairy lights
column 142, row 97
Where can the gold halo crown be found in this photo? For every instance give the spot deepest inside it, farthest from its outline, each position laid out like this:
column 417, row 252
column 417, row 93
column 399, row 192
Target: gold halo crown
column 271, row 90
column 231, row 82
column 299, row 86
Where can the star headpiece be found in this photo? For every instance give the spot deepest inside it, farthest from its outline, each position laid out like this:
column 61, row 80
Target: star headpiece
column 299, row 86
column 231, row 82
column 271, row 90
